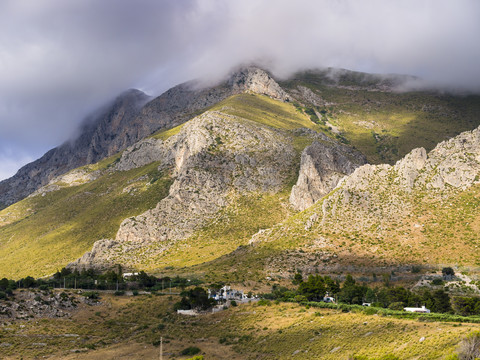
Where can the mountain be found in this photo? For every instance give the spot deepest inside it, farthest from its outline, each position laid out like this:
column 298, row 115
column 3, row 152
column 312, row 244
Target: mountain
column 186, row 181
column 129, row 118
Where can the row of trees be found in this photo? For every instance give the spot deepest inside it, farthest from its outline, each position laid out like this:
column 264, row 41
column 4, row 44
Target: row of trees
column 315, row 287
column 93, row 280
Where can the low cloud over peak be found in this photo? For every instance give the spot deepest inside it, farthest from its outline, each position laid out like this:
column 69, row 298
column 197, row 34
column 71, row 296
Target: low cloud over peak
column 60, row 60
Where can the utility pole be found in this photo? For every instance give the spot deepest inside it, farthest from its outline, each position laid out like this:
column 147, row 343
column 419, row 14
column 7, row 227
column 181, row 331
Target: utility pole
column 161, row 348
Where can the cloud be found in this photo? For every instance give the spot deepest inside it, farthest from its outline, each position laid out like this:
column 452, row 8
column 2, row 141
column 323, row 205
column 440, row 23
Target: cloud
column 61, row 59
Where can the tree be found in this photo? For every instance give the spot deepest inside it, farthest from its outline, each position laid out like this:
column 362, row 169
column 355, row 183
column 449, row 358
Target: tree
column 4, row 284
column 313, row 289
column 297, row 279
column 29, row 282
column 333, row 287
column 448, row 273
column 196, row 298
column 441, row 302
column 466, row 306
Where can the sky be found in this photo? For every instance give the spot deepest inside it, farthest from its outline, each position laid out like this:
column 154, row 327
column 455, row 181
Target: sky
column 62, row 59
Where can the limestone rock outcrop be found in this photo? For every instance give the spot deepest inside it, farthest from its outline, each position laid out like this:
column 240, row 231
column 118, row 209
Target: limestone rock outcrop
column 323, row 165
column 382, row 194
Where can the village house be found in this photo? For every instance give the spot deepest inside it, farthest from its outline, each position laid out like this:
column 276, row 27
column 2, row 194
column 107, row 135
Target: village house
column 129, row 275
column 226, row 293
column 423, row 309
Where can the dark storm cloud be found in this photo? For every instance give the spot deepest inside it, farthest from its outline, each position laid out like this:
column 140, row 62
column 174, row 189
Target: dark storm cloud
column 59, row 59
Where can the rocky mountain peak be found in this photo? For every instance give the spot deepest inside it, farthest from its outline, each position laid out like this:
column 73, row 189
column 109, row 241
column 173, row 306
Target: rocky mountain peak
column 256, row 80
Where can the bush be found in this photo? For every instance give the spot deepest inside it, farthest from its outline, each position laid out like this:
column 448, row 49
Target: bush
column 233, row 303
column 396, row 306
column 191, row 350
column 448, row 271
column 3, row 295
column 91, row 295
column 437, row 281
column 119, row 293
column 264, row 302
column 135, row 292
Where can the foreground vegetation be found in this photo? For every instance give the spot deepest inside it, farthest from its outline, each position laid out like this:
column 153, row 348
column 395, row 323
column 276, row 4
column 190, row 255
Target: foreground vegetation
column 132, row 326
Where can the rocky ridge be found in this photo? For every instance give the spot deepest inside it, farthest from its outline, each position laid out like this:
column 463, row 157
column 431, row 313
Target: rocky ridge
column 100, row 137
column 41, row 304
column 384, row 193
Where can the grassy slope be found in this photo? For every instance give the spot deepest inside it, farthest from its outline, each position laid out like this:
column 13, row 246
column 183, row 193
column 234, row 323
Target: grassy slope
column 128, row 326
column 250, row 213
column 386, row 125
column 422, row 237
column 49, row 231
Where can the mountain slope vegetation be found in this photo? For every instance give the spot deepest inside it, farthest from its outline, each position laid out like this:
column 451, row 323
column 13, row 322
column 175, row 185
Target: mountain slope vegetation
column 42, row 233
column 223, row 179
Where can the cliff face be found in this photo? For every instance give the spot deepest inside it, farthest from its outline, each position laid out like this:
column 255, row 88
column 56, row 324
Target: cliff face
column 323, row 165
column 130, row 118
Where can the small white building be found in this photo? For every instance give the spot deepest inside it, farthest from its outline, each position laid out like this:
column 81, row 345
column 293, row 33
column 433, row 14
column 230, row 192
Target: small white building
column 226, row 293
column 423, row 309
column 129, row 275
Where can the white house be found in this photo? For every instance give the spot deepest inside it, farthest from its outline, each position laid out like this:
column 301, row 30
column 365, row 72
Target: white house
column 129, row 275
column 227, row 293
column 423, row 309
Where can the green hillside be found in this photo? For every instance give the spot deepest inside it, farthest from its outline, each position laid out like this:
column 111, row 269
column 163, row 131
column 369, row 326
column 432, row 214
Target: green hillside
column 43, row 233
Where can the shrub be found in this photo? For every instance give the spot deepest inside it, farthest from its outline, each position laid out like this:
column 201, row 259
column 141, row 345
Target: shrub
column 3, row 295
column 119, row 293
column 396, row 306
column 264, row 302
column 135, row 292
column 91, row 295
column 191, row 350
column 448, row 271
column 233, row 303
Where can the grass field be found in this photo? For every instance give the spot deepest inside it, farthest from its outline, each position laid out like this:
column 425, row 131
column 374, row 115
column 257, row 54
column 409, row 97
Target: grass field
column 131, row 327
